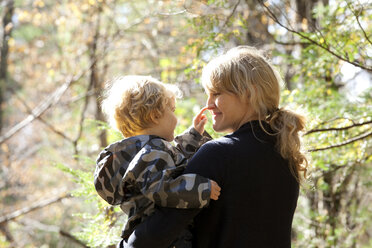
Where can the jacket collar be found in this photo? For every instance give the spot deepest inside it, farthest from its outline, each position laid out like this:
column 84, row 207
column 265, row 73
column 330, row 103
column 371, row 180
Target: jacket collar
column 254, row 127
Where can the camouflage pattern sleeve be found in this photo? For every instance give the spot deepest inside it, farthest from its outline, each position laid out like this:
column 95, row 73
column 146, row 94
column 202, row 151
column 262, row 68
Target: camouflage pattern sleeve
column 190, row 141
column 160, row 181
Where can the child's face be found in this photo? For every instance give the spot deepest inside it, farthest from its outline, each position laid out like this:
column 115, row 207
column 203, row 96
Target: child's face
column 167, row 123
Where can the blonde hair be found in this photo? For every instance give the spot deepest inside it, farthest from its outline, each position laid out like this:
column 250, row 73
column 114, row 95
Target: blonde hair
column 245, row 72
column 132, row 103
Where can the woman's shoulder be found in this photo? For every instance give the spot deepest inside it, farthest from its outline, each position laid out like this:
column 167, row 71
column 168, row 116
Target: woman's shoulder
column 216, row 147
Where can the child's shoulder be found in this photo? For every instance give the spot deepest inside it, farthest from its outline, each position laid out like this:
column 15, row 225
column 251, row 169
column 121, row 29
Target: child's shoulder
column 157, row 143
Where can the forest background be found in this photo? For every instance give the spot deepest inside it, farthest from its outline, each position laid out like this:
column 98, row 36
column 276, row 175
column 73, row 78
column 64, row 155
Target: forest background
column 57, row 55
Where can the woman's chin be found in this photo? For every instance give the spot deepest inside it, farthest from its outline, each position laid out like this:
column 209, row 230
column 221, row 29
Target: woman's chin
column 216, row 128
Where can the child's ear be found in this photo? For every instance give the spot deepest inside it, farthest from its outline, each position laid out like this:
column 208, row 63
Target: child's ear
column 155, row 118
column 155, row 121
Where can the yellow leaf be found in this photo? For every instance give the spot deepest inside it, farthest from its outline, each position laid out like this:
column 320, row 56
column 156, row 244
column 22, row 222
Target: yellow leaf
column 236, row 32
column 37, row 17
column 11, row 42
column 321, row 41
column 41, row 4
column 146, row 20
column 5, row 148
column 219, row 37
column 51, row 72
column 329, row 92
column 304, row 24
column 38, row 3
column 264, row 19
column 190, row 41
column 174, row 33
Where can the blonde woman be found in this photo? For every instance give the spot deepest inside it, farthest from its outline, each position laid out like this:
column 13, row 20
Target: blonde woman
column 258, row 165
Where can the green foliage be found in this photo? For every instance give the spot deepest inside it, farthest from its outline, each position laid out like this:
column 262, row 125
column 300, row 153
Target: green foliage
column 27, row 33
column 102, row 226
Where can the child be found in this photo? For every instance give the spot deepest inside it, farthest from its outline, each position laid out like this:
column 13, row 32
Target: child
column 144, row 168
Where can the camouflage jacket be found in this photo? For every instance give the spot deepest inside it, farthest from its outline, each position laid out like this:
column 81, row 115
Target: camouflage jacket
column 144, row 170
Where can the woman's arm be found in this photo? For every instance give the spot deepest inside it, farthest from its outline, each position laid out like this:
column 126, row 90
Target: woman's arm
column 164, row 226
column 161, row 228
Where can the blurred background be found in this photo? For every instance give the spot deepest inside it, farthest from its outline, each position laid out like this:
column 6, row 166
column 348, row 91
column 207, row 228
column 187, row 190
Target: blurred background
column 57, row 55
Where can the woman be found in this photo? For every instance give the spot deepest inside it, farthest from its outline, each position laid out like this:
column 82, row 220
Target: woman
column 258, row 165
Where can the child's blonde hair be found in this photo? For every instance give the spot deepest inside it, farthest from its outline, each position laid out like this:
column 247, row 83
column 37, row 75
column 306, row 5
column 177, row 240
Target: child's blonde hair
column 132, row 103
column 245, row 72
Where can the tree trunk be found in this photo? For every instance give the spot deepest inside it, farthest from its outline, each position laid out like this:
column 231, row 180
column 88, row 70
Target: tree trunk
column 7, row 29
column 97, row 84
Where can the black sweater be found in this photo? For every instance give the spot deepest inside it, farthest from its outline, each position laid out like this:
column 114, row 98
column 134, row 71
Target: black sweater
column 257, row 201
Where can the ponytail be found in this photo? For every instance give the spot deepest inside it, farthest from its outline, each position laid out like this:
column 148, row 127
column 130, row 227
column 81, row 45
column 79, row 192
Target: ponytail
column 286, row 125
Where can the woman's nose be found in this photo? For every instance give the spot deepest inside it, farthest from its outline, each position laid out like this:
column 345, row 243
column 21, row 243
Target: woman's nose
column 210, row 103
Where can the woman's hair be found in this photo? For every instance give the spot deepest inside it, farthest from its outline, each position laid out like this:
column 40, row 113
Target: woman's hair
column 245, row 72
column 132, row 103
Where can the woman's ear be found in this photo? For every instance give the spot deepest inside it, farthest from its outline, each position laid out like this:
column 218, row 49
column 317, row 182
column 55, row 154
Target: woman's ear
column 246, row 96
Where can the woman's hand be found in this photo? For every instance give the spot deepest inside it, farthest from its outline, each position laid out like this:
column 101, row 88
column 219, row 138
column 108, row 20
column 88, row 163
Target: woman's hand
column 200, row 120
column 215, row 190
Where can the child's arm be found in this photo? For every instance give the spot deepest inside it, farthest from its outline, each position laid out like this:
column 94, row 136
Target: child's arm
column 157, row 179
column 189, row 141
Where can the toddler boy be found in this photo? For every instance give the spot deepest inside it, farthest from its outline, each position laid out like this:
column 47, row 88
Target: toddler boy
column 144, row 169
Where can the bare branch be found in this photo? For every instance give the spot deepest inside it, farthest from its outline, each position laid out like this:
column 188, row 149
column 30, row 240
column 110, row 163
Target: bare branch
column 33, row 207
column 352, row 140
column 41, row 119
column 171, row 13
column 50, row 228
column 338, row 128
column 231, row 14
column 360, row 25
column 93, row 76
column 68, row 235
column 40, row 109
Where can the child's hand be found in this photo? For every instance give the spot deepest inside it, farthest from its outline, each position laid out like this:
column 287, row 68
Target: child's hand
column 215, row 190
column 200, row 120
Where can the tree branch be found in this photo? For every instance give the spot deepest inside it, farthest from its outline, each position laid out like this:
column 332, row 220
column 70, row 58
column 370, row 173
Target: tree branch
column 40, row 109
column 41, row 119
column 337, row 128
column 31, row 208
column 359, row 137
column 231, row 14
column 326, row 48
column 69, row 236
column 359, row 24
column 51, row 228
column 92, row 48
